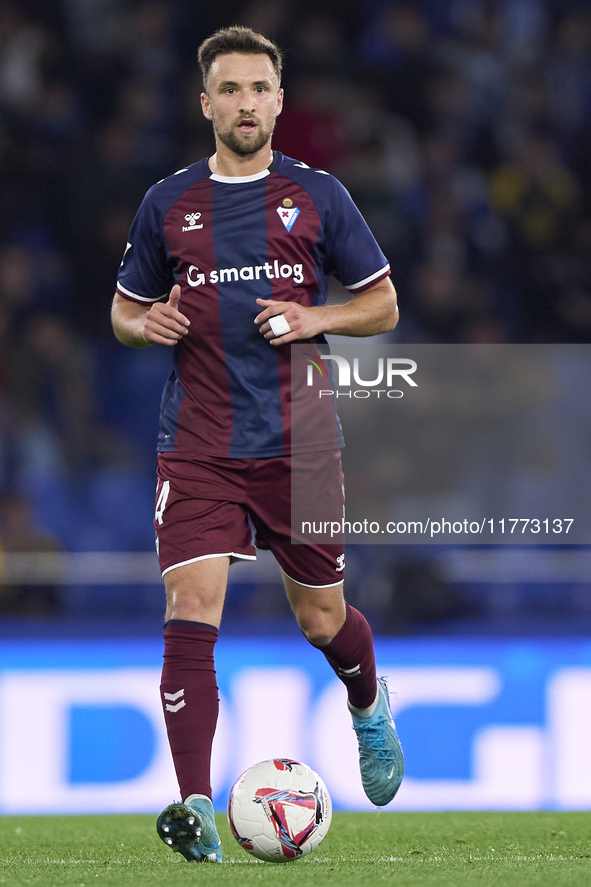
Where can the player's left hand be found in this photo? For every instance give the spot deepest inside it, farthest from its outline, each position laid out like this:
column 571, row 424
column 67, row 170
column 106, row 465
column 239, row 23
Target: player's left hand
column 304, row 322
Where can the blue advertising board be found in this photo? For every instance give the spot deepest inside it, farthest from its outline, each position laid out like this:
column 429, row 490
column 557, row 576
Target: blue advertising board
column 485, row 724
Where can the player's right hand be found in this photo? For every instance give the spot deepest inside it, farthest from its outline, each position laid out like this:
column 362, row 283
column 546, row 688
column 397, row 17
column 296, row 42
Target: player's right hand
column 164, row 323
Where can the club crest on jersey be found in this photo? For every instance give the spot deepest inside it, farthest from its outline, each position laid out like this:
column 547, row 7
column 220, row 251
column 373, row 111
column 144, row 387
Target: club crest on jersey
column 288, row 213
column 192, row 219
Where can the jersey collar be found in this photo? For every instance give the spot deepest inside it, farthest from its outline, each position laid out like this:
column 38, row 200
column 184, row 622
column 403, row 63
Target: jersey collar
column 237, row 180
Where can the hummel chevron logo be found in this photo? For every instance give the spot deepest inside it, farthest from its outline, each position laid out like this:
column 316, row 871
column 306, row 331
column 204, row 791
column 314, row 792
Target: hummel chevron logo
column 192, row 219
column 173, row 697
column 176, row 707
column 350, row 672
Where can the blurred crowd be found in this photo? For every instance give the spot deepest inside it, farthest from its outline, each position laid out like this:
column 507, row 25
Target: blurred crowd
column 462, row 129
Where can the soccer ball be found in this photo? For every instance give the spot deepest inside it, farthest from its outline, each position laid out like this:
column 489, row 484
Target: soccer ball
column 279, row 810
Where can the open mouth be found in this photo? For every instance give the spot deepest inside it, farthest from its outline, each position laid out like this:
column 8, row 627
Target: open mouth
column 247, row 126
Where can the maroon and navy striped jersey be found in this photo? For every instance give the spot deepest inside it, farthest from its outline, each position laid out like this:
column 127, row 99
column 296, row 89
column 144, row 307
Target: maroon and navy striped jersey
column 279, row 235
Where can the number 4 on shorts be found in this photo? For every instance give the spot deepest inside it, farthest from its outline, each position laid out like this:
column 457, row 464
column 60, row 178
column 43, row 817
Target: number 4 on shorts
column 161, row 502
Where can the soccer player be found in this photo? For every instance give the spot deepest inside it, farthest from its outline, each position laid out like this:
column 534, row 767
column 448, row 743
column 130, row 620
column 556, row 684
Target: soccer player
column 228, row 261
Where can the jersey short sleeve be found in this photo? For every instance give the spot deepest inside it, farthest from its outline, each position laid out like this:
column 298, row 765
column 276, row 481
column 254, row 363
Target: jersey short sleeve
column 352, row 253
column 145, row 274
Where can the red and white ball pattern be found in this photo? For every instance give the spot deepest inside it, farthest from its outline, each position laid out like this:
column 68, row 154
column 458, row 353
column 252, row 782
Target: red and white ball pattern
column 279, row 810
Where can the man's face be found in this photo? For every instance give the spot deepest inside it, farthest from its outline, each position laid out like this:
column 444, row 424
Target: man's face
column 243, row 100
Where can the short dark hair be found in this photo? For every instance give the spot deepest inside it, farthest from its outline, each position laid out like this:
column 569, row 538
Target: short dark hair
column 237, row 39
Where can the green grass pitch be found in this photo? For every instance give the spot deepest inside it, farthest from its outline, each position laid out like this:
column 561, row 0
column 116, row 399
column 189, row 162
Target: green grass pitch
column 460, row 849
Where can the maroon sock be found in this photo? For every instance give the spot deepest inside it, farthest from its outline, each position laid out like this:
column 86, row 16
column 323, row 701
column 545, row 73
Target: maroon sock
column 190, row 701
column 351, row 655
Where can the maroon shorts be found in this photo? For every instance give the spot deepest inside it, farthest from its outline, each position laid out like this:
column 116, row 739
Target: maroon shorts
column 208, row 507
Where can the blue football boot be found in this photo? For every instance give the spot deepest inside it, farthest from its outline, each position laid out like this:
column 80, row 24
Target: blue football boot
column 190, row 829
column 380, row 754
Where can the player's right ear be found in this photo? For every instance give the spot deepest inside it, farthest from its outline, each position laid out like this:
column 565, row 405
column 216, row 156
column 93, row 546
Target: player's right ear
column 206, row 106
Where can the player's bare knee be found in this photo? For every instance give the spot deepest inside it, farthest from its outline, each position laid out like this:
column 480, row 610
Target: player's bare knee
column 193, row 604
column 196, row 592
column 318, row 628
column 318, row 639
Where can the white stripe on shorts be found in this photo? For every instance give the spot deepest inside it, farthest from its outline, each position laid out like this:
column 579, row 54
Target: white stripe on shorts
column 204, row 557
column 305, row 584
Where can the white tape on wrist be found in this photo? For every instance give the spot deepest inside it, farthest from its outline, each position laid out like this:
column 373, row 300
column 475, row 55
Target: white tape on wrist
column 279, row 325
